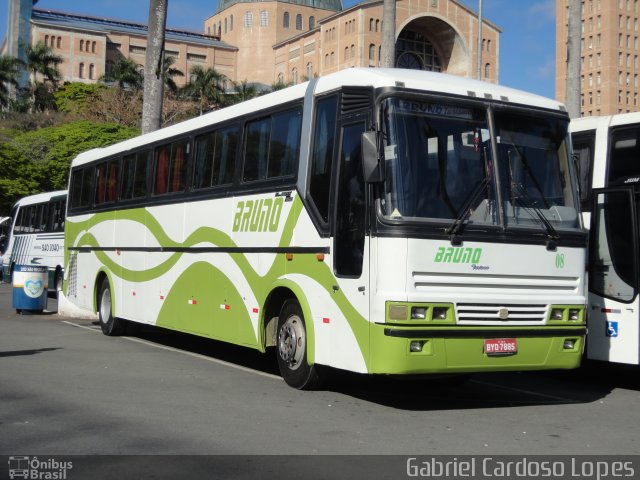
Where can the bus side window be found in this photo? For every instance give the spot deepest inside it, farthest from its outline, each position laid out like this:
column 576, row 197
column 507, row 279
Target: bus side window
column 350, row 216
column 284, row 148
column 322, row 156
column 583, row 151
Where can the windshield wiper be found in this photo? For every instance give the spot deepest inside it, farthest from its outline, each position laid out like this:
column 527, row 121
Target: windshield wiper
column 524, row 200
column 465, row 211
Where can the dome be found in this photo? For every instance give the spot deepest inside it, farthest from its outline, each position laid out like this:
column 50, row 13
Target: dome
column 335, row 5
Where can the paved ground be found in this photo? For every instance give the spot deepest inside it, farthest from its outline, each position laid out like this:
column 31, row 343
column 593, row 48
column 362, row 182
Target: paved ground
column 67, row 389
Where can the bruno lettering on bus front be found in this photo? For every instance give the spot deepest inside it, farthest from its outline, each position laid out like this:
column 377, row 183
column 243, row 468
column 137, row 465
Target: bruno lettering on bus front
column 458, row 255
column 261, row 215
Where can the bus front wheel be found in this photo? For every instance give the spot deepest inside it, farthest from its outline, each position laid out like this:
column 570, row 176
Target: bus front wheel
column 109, row 324
column 292, row 349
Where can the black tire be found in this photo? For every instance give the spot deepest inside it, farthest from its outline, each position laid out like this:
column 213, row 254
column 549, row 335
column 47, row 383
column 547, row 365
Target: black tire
column 110, row 325
column 292, row 349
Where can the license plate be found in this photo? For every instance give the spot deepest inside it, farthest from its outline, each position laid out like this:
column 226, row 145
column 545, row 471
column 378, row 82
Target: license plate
column 500, row 346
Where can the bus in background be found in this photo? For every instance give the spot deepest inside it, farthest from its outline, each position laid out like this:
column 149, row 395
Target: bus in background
column 607, row 151
column 377, row 221
column 36, row 236
column 5, row 229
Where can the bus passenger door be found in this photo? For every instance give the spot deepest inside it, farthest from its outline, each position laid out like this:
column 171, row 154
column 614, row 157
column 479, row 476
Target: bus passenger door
column 613, row 320
column 351, row 245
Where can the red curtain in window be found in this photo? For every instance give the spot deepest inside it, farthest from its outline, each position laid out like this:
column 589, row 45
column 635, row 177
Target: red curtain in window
column 112, row 182
column 178, row 164
column 100, row 180
column 162, row 171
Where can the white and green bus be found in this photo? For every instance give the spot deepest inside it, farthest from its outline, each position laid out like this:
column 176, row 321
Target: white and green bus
column 36, row 236
column 607, row 150
column 377, row 221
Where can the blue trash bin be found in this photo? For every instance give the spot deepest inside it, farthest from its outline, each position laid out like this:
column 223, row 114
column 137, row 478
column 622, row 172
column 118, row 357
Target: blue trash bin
column 30, row 287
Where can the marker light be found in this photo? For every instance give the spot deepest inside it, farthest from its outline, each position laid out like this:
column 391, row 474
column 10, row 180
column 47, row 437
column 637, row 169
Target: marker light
column 574, row 314
column 569, row 344
column 398, row 312
column 440, row 313
column 556, row 314
column 418, row 313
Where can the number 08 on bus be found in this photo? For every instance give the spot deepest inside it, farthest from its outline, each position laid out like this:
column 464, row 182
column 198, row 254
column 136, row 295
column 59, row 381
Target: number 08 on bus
column 377, row 221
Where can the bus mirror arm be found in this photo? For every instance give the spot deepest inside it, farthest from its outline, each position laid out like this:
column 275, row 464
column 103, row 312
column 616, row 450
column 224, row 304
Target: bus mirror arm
column 372, row 167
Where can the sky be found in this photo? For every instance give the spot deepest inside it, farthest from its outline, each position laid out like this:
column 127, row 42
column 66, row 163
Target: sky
column 527, row 42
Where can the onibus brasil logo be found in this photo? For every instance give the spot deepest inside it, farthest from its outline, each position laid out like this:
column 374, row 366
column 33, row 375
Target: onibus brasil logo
column 37, row 469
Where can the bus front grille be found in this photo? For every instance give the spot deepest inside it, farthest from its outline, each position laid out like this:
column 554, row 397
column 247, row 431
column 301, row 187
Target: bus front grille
column 499, row 314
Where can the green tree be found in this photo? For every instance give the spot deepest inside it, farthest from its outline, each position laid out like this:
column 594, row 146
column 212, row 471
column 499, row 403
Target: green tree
column 204, row 87
column 242, row 91
column 126, row 73
column 41, row 60
column 18, row 177
column 168, row 73
column 50, row 150
column 76, row 97
column 9, row 71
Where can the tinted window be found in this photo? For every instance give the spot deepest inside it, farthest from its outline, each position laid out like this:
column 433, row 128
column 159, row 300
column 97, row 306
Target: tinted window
column 81, row 187
column 106, row 182
column 215, row 158
column 257, row 150
column 134, row 176
column 322, row 155
column 624, row 151
column 583, row 147
column 170, row 168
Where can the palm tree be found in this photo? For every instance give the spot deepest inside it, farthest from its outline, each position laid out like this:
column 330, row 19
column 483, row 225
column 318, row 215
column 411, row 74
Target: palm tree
column 126, row 73
column 41, row 60
column 204, row 86
column 9, row 71
column 245, row 91
column 168, row 72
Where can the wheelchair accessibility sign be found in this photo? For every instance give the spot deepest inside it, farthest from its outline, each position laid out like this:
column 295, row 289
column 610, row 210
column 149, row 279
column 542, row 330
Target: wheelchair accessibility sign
column 612, row 329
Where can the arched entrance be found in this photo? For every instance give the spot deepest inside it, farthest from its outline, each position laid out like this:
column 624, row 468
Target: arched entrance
column 430, row 43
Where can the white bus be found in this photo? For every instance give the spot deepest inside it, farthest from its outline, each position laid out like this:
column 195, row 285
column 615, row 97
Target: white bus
column 371, row 220
column 607, row 150
column 36, row 236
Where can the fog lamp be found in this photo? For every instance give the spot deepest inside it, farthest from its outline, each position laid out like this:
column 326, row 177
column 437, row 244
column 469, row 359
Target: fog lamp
column 569, row 344
column 556, row 314
column 416, row 346
column 574, row 314
column 440, row 313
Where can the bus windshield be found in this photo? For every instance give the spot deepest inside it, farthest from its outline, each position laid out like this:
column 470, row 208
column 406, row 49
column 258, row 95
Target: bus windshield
column 440, row 166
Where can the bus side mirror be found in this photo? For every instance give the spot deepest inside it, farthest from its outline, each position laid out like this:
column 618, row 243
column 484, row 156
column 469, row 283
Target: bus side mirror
column 372, row 167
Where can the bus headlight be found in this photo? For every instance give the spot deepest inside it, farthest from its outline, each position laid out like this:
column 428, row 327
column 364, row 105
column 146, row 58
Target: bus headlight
column 418, row 313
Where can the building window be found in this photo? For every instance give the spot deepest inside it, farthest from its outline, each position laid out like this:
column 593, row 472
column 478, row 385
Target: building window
column 46, row 40
column 231, row 23
column 326, row 60
column 377, row 25
column 294, row 75
column 91, row 71
column 371, row 24
column 372, row 53
column 487, row 70
column 81, row 71
column 346, row 53
column 309, row 71
column 298, row 22
column 353, row 51
column 248, row 19
column 333, row 58
column 81, row 45
column 285, row 20
column 312, row 22
column 264, row 18
column 225, row 25
column 93, row 47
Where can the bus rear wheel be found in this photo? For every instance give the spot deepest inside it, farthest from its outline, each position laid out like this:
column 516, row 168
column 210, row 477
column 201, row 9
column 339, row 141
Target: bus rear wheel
column 292, row 349
column 109, row 324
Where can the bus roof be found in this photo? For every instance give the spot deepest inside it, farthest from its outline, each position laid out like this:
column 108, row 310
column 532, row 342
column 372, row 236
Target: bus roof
column 362, row 77
column 590, row 123
column 40, row 197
